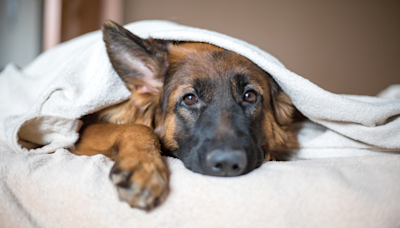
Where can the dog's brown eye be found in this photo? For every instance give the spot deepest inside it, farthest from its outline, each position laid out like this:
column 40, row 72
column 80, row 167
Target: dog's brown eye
column 190, row 99
column 250, row 97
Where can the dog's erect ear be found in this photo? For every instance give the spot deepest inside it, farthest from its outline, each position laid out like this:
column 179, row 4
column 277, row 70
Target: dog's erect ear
column 141, row 63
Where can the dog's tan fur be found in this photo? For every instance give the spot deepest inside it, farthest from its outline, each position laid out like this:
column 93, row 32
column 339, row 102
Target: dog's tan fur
column 130, row 132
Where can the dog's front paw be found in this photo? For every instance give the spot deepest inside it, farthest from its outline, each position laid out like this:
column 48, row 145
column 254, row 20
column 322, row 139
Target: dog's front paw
column 141, row 184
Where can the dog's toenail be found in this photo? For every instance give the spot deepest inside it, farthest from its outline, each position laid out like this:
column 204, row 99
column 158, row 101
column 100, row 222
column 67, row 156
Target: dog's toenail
column 126, row 175
column 124, row 185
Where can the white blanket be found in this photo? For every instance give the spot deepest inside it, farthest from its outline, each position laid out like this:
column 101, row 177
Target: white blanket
column 352, row 177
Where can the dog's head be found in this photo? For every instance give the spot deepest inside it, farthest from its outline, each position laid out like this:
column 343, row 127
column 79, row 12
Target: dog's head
column 214, row 109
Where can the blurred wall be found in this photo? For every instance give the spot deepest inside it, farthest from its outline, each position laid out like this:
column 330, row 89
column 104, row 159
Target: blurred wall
column 79, row 17
column 20, row 31
column 342, row 46
column 22, row 23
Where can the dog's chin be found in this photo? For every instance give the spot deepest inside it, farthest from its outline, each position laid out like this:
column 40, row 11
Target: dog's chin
column 197, row 169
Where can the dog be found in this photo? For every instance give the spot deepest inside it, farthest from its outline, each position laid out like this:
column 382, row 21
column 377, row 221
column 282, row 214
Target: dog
column 212, row 108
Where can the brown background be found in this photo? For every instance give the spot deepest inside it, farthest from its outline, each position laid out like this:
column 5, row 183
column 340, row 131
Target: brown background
column 79, row 17
column 343, row 46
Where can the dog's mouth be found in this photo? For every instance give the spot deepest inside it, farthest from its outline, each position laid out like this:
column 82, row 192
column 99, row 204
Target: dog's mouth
column 228, row 160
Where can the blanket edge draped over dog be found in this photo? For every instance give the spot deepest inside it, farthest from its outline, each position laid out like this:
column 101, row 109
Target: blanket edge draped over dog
column 53, row 93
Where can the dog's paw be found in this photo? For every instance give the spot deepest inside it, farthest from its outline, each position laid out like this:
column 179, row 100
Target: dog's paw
column 141, row 184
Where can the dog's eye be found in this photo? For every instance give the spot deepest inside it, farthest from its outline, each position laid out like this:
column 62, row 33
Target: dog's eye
column 189, row 99
column 250, row 97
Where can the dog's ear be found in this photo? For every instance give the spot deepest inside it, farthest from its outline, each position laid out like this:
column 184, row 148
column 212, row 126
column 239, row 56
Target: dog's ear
column 141, row 63
column 282, row 105
column 281, row 136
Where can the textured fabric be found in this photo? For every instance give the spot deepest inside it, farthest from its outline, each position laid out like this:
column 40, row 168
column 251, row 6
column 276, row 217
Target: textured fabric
column 64, row 190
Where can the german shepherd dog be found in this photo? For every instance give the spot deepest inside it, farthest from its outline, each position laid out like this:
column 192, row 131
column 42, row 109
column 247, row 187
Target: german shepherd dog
column 212, row 108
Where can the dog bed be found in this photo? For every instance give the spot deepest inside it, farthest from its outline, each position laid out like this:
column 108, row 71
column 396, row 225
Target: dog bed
column 346, row 173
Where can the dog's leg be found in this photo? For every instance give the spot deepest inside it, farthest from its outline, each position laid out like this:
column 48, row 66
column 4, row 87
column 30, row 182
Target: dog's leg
column 139, row 174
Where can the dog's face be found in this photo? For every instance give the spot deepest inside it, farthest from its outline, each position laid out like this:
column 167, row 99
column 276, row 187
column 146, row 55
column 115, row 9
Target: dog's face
column 214, row 109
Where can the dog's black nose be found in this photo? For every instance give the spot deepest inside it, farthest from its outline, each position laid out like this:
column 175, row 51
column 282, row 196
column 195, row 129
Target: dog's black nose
column 226, row 162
